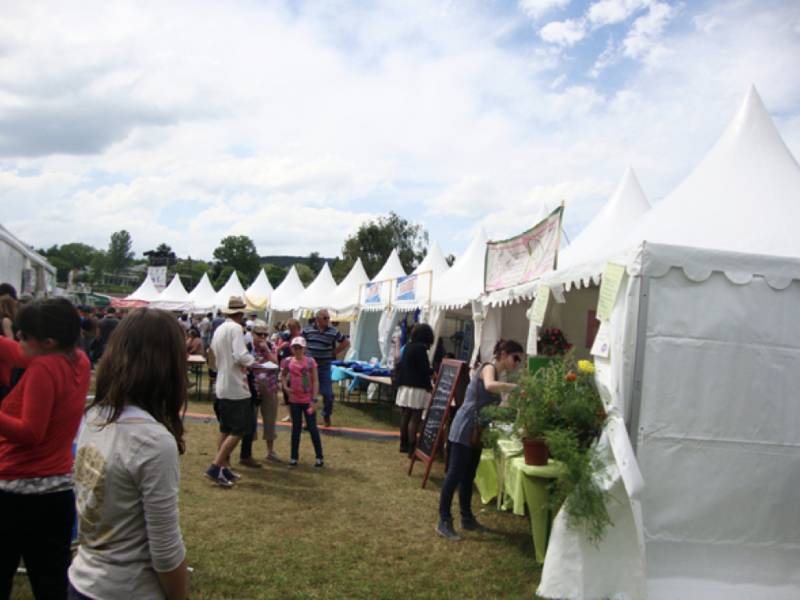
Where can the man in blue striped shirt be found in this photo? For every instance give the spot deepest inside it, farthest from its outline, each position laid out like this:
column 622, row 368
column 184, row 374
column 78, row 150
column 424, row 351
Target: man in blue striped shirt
column 324, row 344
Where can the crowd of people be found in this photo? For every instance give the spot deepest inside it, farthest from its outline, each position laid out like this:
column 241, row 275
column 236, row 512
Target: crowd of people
column 120, row 479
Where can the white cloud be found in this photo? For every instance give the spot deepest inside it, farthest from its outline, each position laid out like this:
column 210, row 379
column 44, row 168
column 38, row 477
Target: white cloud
column 563, row 33
column 644, row 36
column 608, row 12
column 295, row 127
column 538, row 8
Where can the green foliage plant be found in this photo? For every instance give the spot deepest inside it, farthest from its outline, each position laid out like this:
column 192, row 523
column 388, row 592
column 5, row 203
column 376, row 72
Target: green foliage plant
column 561, row 404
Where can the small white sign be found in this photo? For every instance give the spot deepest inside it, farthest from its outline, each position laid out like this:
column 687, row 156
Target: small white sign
column 601, row 346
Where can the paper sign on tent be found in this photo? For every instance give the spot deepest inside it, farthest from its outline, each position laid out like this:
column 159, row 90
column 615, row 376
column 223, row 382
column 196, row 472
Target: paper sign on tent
column 609, row 288
column 601, row 347
column 539, row 307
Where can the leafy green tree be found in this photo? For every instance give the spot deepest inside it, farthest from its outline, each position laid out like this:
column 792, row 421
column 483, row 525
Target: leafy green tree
column 223, row 276
column 375, row 240
column 239, row 252
column 305, row 273
column 340, row 269
column 161, row 256
column 315, row 262
column 119, row 253
column 98, row 265
column 275, row 274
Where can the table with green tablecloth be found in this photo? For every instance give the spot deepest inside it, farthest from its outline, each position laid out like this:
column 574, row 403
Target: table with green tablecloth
column 502, row 473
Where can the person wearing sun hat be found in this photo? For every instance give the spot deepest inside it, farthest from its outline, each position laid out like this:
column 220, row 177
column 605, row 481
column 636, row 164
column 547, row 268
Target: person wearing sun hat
column 233, row 394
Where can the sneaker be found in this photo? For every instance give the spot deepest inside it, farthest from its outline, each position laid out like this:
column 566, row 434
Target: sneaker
column 445, row 529
column 319, row 464
column 272, row 456
column 250, row 462
column 214, row 473
column 472, row 524
column 230, row 474
column 293, row 463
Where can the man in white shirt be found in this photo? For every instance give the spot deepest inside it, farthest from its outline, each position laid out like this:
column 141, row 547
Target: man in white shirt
column 234, row 410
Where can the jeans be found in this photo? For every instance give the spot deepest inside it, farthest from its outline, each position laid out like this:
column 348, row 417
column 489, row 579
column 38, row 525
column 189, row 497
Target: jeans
column 36, row 528
column 325, row 388
column 298, row 410
column 464, row 462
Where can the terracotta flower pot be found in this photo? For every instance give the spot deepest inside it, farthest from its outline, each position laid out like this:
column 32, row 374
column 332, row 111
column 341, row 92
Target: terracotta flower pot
column 536, row 451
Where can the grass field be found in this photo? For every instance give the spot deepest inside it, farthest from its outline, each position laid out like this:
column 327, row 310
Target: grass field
column 359, row 528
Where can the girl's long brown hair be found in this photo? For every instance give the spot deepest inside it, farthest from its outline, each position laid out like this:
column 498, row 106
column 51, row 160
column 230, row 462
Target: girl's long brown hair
column 144, row 365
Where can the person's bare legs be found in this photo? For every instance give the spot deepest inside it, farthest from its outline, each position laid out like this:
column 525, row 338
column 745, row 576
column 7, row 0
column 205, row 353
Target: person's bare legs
column 222, row 459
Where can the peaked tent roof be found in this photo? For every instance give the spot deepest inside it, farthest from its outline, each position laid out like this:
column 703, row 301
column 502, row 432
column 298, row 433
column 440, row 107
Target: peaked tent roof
column 232, row 287
column 203, row 296
column 259, row 292
column 173, row 297
column 318, row 293
column 146, row 292
column 463, row 282
column 345, row 298
column 584, row 259
column 391, row 269
column 286, row 294
column 743, row 197
column 434, row 261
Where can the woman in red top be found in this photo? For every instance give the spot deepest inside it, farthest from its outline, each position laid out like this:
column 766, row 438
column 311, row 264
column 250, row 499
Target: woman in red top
column 38, row 422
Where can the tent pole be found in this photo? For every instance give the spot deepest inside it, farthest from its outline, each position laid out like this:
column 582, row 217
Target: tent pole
column 638, row 361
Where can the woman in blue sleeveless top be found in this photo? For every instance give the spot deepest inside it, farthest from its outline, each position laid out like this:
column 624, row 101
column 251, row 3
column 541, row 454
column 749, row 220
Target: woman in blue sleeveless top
column 464, row 438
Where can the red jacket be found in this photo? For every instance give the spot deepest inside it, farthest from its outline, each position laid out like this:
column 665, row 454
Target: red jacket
column 40, row 416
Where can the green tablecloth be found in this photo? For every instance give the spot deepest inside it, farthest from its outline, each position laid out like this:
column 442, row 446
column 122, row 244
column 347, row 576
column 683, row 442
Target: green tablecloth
column 502, row 473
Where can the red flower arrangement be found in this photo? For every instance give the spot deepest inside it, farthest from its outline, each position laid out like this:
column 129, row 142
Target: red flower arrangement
column 552, row 342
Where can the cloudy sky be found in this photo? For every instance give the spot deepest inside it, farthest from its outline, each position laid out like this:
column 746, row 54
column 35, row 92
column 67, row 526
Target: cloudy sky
column 292, row 122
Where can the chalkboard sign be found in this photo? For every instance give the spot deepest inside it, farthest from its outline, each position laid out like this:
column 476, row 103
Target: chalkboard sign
column 450, row 387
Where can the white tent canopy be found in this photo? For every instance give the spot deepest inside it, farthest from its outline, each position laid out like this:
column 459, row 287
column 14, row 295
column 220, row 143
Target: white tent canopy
column 702, row 369
column 16, row 258
column 742, row 197
column 463, row 282
column 584, row 259
column 259, row 292
column 203, row 296
column 173, row 297
column 391, row 270
column 344, row 300
column 285, row 296
column 318, row 293
column 434, row 261
column 146, row 292
column 232, row 287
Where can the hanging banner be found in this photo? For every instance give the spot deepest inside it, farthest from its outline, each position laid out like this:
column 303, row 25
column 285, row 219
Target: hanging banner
column 523, row 258
column 159, row 277
column 406, row 289
column 539, row 307
column 372, row 293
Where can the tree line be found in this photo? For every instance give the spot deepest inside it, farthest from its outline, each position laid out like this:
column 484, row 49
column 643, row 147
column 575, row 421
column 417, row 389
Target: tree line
column 372, row 243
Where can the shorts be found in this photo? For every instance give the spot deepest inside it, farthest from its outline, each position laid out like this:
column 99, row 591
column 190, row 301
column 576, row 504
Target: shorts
column 235, row 416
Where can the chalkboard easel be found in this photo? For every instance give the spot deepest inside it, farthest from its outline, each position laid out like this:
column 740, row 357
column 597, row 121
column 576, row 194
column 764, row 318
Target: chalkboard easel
column 450, row 384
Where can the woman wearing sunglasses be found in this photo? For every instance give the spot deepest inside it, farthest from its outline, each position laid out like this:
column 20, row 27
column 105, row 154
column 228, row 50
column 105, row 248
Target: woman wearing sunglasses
column 465, row 445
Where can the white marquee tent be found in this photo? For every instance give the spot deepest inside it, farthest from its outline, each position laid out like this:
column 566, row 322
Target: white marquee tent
column 203, row 297
column 284, row 297
column 318, row 293
column 174, row 297
column 259, row 292
column 344, row 300
column 23, row 268
column 702, row 368
column 145, row 293
column 232, row 287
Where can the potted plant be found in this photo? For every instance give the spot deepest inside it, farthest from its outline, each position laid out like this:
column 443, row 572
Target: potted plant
column 560, row 406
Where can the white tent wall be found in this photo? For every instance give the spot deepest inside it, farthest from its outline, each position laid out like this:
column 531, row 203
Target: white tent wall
column 364, row 341
column 23, row 268
column 718, row 430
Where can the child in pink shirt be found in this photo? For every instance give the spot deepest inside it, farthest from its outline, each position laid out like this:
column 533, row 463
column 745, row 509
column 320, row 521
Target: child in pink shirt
column 301, row 384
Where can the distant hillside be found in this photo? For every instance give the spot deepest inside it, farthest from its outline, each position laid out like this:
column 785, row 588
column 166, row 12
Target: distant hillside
column 288, row 261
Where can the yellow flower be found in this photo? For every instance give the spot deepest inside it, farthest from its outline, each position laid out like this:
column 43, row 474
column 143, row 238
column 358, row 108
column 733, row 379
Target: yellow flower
column 585, row 366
